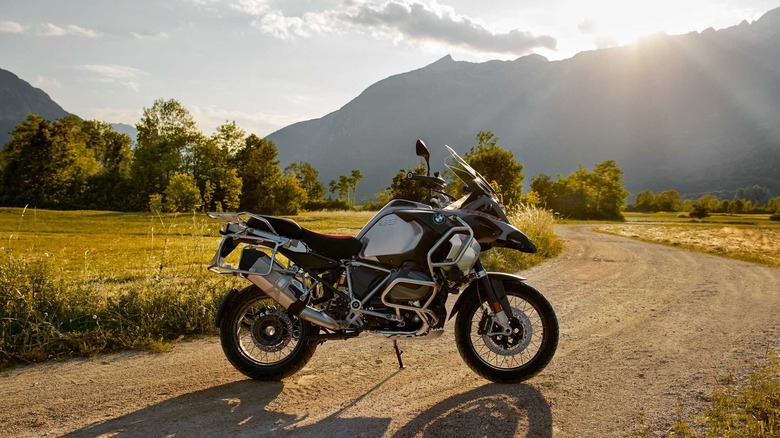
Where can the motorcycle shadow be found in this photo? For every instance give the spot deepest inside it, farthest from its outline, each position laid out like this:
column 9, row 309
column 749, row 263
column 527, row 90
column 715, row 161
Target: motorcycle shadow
column 239, row 409
column 233, row 409
column 486, row 411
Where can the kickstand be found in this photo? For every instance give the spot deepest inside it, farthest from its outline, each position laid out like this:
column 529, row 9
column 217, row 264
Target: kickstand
column 398, row 354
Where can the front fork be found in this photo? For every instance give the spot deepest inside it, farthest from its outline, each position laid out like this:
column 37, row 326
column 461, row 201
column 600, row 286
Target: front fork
column 496, row 296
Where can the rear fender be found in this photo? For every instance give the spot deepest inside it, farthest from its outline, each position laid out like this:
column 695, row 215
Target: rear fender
column 498, row 279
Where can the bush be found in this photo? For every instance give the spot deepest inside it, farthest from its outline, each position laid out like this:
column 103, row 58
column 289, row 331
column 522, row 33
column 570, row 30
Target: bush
column 43, row 317
column 537, row 224
column 775, row 217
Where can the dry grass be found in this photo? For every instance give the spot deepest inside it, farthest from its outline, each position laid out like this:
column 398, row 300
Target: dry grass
column 753, row 244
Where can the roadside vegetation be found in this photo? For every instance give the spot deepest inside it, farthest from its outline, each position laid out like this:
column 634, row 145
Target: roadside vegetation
column 747, row 406
column 79, row 283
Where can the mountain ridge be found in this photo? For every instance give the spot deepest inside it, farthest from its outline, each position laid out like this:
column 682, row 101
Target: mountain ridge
column 18, row 98
column 691, row 112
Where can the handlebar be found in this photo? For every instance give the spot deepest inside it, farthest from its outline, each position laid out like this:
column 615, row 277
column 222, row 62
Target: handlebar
column 434, row 182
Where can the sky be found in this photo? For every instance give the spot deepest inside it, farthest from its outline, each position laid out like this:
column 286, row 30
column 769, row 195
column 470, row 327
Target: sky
column 269, row 63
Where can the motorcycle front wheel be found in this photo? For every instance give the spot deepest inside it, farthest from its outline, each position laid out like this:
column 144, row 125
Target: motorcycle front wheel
column 261, row 339
column 517, row 356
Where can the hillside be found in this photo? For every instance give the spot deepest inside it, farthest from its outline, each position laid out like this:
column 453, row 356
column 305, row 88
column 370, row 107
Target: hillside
column 693, row 112
column 18, row 99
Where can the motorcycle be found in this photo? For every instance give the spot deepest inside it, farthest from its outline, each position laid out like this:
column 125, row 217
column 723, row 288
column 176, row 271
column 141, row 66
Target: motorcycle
column 392, row 280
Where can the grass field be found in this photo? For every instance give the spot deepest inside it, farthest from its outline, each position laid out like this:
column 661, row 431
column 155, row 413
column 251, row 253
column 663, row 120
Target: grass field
column 85, row 282
column 753, row 238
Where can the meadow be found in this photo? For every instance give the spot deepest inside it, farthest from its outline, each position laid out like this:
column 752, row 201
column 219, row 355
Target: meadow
column 752, row 238
column 86, row 282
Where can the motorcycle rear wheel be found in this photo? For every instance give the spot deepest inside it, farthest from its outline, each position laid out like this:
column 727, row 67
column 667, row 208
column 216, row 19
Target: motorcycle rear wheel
column 261, row 339
column 508, row 358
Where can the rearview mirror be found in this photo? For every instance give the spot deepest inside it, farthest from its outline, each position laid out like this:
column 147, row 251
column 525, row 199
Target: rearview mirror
column 422, row 151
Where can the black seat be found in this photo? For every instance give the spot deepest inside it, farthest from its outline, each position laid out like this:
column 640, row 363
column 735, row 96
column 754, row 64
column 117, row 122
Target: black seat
column 333, row 247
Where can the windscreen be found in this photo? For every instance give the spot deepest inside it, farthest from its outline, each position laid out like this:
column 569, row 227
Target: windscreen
column 466, row 173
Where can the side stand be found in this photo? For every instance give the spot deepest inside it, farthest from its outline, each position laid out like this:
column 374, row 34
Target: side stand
column 398, row 354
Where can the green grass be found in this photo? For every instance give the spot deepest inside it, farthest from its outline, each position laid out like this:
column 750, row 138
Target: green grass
column 86, row 282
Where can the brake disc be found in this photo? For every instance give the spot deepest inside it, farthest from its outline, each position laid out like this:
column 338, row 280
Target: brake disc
column 272, row 330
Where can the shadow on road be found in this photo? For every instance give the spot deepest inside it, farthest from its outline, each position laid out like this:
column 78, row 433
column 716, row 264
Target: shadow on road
column 490, row 410
column 234, row 409
column 239, row 409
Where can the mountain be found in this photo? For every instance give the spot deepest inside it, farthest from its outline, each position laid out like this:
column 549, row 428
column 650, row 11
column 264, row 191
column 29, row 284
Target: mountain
column 695, row 113
column 18, row 99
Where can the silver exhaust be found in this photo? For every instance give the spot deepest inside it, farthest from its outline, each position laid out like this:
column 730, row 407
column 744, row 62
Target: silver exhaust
column 286, row 290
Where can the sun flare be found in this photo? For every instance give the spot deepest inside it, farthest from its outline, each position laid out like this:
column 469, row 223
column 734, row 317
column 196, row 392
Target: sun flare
column 619, row 22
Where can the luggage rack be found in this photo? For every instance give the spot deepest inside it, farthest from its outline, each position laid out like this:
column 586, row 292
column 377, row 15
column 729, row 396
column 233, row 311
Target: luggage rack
column 255, row 243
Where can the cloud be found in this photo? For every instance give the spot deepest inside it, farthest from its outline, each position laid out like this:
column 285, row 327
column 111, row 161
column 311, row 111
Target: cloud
column 407, row 20
column 210, row 116
column 11, row 27
column 115, row 74
column 112, row 71
column 419, row 22
column 588, row 27
column 150, row 35
column 52, row 30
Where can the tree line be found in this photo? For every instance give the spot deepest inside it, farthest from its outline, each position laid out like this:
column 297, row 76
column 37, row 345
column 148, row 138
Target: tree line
column 84, row 164
column 670, row 201
column 76, row 164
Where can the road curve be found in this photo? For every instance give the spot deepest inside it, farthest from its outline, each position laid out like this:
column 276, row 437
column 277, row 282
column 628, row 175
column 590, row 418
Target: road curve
column 644, row 328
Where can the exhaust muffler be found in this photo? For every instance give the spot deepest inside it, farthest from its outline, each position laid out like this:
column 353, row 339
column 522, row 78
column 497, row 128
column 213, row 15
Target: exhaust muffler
column 287, row 291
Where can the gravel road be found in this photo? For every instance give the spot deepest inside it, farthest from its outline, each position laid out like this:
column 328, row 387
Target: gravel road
column 644, row 328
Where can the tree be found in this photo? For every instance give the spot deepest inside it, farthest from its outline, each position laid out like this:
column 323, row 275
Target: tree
column 497, row 165
column 584, row 194
column 669, row 200
column 645, row 202
column 47, row 164
column 265, row 190
column 610, row 196
column 354, row 178
column 182, row 194
column 229, row 138
column 167, row 137
column 704, row 206
column 212, row 167
column 110, row 188
column 308, row 179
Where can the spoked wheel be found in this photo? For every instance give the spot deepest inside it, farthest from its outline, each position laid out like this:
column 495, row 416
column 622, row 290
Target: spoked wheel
column 261, row 339
column 513, row 357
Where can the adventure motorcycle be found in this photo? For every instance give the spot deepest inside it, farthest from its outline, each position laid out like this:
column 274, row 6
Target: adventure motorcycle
column 393, row 279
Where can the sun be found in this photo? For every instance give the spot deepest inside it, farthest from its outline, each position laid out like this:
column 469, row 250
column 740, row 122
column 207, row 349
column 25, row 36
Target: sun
column 619, row 22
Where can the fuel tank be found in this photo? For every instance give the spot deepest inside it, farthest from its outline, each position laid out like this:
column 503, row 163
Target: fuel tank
column 390, row 239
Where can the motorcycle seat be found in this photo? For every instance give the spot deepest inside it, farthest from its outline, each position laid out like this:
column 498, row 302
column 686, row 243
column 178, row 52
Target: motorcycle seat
column 331, row 246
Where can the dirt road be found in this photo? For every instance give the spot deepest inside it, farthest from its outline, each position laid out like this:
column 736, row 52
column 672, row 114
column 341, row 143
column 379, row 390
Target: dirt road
column 644, row 328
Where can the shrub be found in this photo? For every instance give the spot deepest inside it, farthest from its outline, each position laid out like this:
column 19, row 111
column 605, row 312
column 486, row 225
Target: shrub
column 537, row 224
column 44, row 317
column 775, row 217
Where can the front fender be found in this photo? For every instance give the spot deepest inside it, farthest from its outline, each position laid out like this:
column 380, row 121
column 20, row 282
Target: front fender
column 472, row 288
